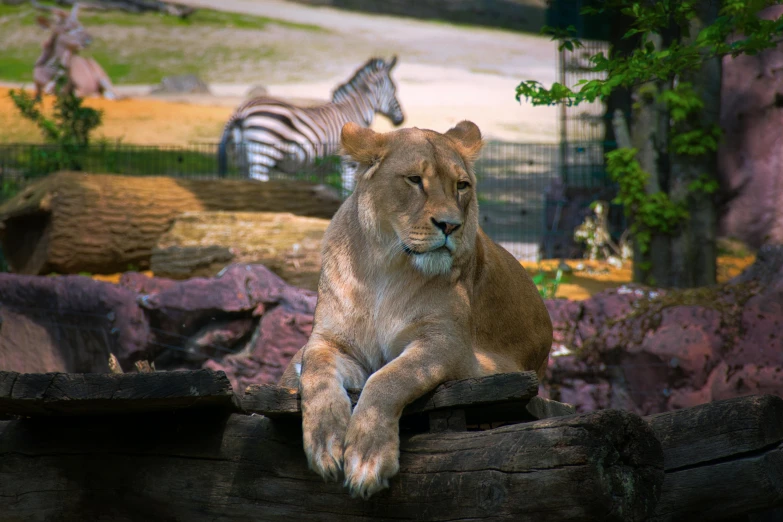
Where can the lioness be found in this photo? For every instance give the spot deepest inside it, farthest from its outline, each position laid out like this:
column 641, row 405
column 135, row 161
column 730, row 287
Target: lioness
column 412, row 293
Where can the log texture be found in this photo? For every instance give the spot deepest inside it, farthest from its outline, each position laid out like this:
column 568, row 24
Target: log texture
column 200, row 244
column 35, row 394
column 724, row 460
column 75, row 222
column 275, row 401
column 604, row 466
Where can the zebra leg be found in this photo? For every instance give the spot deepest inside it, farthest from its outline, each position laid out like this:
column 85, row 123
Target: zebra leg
column 259, row 172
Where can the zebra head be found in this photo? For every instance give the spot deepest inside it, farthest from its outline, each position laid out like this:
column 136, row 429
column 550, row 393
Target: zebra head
column 388, row 104
column 373, row 84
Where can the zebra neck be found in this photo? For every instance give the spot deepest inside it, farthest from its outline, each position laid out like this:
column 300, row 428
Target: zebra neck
column 359, row 108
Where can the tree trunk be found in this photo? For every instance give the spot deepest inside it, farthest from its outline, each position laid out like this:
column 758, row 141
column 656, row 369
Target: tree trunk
column 202, row 243
column 693, row 249
column 686, row 258
column 73, row 222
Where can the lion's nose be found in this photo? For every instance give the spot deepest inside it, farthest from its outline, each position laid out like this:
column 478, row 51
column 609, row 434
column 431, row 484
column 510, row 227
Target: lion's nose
column 446, row 226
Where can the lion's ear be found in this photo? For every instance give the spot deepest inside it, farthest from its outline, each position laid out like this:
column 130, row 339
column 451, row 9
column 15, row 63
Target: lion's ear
column 467, row 136
column 364, row 145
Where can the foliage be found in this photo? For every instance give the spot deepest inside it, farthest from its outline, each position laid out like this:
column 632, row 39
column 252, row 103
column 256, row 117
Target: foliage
column 69, row 127
column 546, row 284
column 647, row 62
column 647, row 212
column 657, row 67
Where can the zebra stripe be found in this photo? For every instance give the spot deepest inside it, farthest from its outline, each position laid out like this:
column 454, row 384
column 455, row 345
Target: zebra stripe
column 267, row 133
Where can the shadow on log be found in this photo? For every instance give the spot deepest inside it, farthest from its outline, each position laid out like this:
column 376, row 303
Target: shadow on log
column 604, row 466
column 723, row 459
column 134, row 447
column 74, row 222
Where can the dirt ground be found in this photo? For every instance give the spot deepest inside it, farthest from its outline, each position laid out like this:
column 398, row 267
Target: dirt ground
column 445, row 73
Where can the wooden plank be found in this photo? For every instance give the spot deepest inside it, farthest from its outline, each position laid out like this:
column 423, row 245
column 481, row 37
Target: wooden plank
column 540, row 408
column 192, row 466
column 723, row 459
column 31, row 394
column 274, row 401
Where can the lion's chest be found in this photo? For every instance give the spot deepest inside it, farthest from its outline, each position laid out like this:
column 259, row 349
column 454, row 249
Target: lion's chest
column 382, row 329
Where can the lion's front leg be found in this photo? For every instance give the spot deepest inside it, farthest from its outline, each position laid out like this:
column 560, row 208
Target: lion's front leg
column 326, row 408
column 372, row 442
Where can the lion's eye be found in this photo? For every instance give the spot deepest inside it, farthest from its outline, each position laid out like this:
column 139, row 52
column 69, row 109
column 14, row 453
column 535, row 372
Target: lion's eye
column 416, row 180
column 462, row 185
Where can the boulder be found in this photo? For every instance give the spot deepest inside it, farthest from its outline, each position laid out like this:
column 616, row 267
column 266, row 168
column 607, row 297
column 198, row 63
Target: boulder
column 68, row 324
column 246, row 321
column 181, row 84
column 256, row 91
column 650, row 351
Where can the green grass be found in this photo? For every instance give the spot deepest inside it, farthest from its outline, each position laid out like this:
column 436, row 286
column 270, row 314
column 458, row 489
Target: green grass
column 167, row 51
column 18, row 67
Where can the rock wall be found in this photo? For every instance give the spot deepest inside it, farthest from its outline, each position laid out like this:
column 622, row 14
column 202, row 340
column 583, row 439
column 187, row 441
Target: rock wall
column 634, row 348
column 650, row 351
column 750, row 157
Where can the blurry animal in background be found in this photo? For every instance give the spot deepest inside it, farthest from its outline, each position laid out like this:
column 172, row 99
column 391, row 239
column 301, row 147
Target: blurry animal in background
column 266, row 132
column 60, row 55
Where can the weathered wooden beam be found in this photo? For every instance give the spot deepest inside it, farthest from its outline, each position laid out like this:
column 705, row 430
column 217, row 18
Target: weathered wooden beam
column 31, row 394
column 605, row 466
column 274, row 401
column 723, row 459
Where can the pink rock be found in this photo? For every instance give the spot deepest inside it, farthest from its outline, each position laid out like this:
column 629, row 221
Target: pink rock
column 750, row 157
column 68, row 324
column 658, row 359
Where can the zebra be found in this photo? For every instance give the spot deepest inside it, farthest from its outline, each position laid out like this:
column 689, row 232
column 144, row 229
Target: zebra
column 265, row 133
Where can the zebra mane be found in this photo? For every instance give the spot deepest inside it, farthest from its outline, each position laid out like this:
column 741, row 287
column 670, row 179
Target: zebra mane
column 361, row 75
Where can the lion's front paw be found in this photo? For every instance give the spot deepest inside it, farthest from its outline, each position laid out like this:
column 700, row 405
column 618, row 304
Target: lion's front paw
column 324, row 429
column 371, row 455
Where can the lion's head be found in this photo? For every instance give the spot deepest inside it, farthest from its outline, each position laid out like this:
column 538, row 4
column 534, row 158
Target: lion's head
column 416, row 192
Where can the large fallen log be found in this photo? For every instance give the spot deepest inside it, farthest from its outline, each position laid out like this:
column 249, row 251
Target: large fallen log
column 200, row 244
column 604, row 466
column 723, row 460
column 73, row 222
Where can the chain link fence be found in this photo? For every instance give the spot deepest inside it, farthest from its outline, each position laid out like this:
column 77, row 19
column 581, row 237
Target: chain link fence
column 531, row 196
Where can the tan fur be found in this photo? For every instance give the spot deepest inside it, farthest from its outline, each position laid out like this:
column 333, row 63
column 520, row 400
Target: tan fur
column 398, row 312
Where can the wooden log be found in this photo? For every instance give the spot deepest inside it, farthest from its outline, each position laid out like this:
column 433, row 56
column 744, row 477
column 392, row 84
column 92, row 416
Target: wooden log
column 481, row 403
column 74, row 222
column 604, row 466
column 200, row 244
column 724, row 460
column 35, row 394
column 275, row 401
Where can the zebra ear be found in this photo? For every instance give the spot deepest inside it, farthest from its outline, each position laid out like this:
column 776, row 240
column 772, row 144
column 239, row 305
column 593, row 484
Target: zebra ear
column 392, row 63
column 364, row 145
column 467, row 137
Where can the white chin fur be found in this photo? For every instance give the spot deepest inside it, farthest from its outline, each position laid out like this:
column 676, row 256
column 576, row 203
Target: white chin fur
column 433, row 263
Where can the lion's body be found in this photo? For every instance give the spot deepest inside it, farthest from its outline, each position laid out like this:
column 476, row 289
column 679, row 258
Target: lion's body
column 412, row 293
